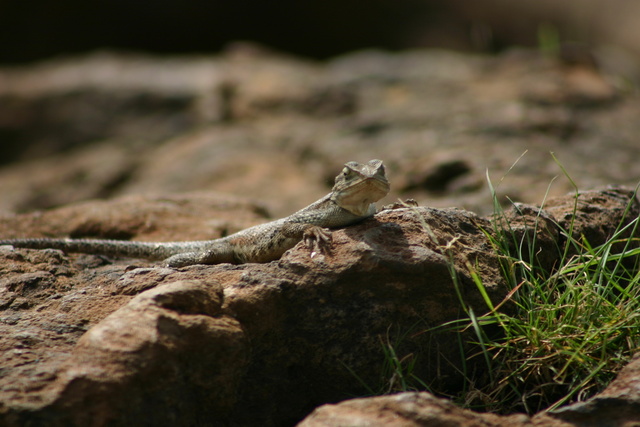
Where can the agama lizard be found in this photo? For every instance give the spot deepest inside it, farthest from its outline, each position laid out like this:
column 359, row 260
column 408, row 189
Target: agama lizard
column 352, row 199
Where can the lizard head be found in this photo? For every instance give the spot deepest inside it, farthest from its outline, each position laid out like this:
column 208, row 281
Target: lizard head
column 359, row 185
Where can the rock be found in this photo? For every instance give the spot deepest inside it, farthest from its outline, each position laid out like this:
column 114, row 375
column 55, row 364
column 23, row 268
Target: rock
column 169, row 347
column 595, row 216
column 189, row 216
column 585, row 218
column 265, row 125
column 263, row 343
column 327, row 317
column 436, row 177
column 405, row 410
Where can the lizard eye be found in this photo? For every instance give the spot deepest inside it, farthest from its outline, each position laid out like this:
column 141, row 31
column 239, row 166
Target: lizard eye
column 346, row 171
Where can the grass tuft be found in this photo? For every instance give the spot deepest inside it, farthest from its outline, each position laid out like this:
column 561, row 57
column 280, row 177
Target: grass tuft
column 573, row 329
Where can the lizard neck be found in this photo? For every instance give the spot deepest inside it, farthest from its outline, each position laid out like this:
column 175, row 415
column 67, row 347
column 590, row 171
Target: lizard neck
column 363, row 209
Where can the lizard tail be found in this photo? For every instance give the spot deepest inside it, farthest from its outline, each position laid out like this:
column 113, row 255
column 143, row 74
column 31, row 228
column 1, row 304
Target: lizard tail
column 146, row 250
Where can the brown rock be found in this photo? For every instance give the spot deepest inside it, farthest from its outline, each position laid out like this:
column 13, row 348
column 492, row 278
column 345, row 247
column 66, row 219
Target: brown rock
column 259, row 343
column 188, row 216
column 266, row 125
column 596, row 215
column 169, row 348
column 405, row 409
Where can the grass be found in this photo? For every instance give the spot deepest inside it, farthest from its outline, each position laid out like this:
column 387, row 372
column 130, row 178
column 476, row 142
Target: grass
column 572, row 330
column 571, row 333
column 549, row 41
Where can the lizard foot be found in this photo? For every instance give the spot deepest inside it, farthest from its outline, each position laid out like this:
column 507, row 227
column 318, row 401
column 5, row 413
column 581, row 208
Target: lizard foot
column 317, row 239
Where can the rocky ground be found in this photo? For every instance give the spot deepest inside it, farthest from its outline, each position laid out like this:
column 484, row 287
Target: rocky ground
column 198, row 147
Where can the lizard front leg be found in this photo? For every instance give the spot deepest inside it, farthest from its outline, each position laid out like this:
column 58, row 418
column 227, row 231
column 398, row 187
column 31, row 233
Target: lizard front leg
column 271, row 245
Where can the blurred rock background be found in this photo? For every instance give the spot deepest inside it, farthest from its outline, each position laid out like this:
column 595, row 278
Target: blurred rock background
column 115, row 98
